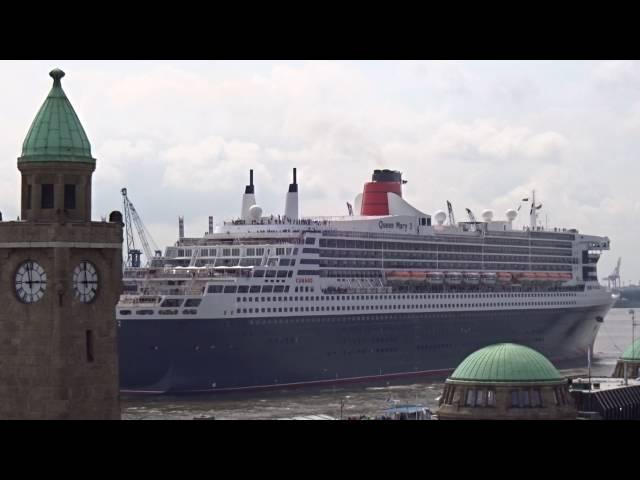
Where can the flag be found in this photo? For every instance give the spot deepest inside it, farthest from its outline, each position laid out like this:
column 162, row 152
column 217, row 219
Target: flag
column 525, row 199
column 539, row 207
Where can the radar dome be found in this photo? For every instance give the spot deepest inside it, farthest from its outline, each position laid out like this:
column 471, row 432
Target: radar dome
column 440, row 217
column 255, row 212
column 487, row 215
column 511, row 214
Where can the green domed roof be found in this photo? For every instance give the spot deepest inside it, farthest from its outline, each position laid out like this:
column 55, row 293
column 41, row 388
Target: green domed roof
column 56, row 133
column 506, row 362
column 632, row 352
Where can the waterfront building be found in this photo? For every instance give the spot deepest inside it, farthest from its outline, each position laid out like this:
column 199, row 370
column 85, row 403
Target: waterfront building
column 506, row 382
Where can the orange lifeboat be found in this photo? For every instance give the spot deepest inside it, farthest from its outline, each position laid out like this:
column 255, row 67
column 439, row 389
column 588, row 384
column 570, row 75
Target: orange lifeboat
column 398, row 276
column 418, row 276
column 566, row 276
column 527, row 276
column 504, row 277
column 542, row 276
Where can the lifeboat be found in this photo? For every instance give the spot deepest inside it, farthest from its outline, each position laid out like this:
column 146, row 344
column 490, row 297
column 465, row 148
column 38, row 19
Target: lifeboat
column 453, row 278
column 472, row 278
column 418, row 276
column 504, row 277
column 395, row 276
column 489, row 278
column 527, row 277
column 435, row 278
column 566, row 276
column 543, row 276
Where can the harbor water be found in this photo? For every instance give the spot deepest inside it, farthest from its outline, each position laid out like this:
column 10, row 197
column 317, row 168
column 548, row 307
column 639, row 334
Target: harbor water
column 369, row 399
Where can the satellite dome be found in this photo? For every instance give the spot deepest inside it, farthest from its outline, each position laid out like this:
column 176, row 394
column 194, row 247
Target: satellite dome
column 255, row 212
column 487, row 215
column 511, row 214
column 440, row 217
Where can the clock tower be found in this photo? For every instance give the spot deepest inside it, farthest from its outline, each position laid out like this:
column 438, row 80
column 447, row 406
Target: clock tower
column 60, row 279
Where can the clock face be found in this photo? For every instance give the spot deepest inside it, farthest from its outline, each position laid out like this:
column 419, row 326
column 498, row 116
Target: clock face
column 31, row 282
column 85, row 282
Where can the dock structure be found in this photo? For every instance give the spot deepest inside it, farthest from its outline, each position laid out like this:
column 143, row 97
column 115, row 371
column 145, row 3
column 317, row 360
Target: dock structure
column 606, row 398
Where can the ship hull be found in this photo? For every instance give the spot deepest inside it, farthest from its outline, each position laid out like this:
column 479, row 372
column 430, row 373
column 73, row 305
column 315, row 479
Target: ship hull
column 216, row 355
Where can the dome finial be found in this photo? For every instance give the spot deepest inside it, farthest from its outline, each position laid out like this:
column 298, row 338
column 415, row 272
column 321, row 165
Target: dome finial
column 56, row 74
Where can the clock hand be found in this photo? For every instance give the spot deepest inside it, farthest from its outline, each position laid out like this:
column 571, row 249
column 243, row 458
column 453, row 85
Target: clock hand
column 30, row 281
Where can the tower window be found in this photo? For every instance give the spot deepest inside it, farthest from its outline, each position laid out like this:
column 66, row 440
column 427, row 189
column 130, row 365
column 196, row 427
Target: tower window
column 69, row 197
column 47, row 195
column 29, row 191
column 89, row 346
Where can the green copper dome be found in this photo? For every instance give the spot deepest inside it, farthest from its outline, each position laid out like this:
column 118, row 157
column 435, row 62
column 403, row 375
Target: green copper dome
column 506, row 362
column 56, row 134
column 632, row 352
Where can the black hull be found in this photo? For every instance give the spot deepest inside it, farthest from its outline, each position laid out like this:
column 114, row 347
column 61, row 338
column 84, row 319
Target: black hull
column 188, row 356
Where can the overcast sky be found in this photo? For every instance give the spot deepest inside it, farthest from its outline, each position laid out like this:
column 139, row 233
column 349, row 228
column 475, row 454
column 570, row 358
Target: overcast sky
column 182, row 135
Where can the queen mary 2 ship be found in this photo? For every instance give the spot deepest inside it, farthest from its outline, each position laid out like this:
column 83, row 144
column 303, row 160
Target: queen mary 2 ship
column 383, row 292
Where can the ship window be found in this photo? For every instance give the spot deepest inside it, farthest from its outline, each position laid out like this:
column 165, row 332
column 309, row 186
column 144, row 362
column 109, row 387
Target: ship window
column 230, row 289
column 254, row 289
column 267, row 289
column 278, row 288
column 46, row 200
column 243, row 289
column 171, row 302
column 258, row 273
column 214, row 289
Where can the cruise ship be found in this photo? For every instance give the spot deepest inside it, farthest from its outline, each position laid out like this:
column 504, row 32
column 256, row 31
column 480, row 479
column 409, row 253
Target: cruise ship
column 386, row 291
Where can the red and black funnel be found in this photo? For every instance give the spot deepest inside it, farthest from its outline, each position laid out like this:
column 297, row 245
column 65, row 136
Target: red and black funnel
column 374, row 196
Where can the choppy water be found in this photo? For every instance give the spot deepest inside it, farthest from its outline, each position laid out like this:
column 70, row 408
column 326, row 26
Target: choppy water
column 359, row 399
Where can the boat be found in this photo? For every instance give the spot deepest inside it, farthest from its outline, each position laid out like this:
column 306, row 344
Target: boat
column 435, row 278
column 489, row 278
column 471, row 278
column 277, row 301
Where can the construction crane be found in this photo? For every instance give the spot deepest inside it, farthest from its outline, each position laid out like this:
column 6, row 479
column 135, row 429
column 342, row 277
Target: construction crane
column 452, row 219
column 614, row 278
column 133, row 254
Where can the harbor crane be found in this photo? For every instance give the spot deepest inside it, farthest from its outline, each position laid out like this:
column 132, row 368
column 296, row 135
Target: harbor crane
column 133, row 254
column 614, row 278
column 452, row 219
